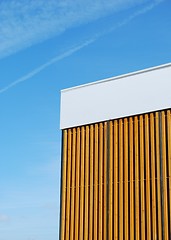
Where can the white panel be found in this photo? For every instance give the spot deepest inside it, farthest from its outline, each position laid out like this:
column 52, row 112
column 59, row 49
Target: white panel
column 126, row 95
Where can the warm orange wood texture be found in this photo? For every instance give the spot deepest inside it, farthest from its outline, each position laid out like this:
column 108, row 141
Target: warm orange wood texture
column 116, row 179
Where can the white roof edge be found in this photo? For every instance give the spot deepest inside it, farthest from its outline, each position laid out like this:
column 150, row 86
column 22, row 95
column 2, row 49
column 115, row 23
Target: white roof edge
column 118, row 77
column 135, row 93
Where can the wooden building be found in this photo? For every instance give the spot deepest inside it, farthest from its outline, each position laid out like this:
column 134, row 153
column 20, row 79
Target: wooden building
column 116, row 158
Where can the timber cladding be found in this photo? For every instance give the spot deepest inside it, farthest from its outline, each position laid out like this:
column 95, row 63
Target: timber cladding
column 116, row 179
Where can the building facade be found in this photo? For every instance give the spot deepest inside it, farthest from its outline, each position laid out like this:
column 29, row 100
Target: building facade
column 116, row 158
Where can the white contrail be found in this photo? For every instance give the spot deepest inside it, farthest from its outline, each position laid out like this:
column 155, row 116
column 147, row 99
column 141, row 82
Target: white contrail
column 45, row 65
column 130, row 18
column 57, row 15
column 79, row 47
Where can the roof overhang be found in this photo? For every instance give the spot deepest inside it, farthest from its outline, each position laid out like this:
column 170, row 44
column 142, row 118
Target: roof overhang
column 126, row 95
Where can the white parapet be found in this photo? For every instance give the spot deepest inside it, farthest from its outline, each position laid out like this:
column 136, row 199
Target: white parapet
column 126, row 95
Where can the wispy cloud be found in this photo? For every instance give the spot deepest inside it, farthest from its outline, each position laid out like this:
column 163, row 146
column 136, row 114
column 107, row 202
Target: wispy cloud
column 24, row 23
column 4, row 218
column 79, row 47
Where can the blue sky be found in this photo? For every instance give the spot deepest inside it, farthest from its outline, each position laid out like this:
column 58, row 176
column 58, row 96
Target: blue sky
column 46, row 46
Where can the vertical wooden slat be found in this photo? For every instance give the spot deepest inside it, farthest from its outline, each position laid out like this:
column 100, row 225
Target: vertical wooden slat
column 96, row 182
column 153, row 177
column 86, row 185
column 126, row 237
column 77, row 185
column 67, row 232
column 139, row 172
column 169, row 159
column 63, row 196
column 110, row 197
column 142, row 177
column 157, row 142
column 147, row 158
column 100, row 227
column 120, row 179
column 91, row 182
column 82, row 182
column 105, row 184
column 165, row 200
column 116, row 180
column 137, row 213
column 73, row 184
column 131, row 160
